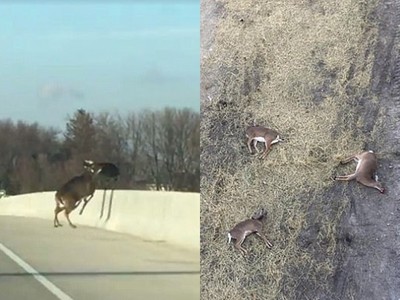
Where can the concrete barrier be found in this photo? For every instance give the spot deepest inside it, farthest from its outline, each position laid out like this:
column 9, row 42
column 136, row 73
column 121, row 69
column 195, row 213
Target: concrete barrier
column 170, row 217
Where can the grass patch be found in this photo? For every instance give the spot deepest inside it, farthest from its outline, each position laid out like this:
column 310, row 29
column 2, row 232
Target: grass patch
column 302, row 68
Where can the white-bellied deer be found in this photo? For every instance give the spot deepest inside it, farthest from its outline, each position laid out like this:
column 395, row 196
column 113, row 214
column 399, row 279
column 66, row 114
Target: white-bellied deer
column 69, row 196
column 247, row 227
column 262, row 134
column 365, row 171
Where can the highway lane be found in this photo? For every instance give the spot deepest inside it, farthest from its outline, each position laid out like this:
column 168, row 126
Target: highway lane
column 19, row 286
column 90, row 263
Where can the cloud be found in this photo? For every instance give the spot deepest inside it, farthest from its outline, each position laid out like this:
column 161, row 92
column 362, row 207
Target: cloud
column 56, row 91
column 155, row 76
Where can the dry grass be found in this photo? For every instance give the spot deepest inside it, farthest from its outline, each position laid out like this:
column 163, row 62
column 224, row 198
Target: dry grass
column 300, row 67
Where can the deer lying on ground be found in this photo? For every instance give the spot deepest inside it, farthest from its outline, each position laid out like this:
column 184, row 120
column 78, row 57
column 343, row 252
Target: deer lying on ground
column 247, row 227
column 365, row 170
column 262, row 134
column 69, row 196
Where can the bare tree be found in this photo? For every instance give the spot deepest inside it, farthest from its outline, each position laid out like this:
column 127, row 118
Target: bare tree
column 80, row 135
column 151, row 145
column 135, row 145
column 111, row 141
column 187, row 143
column 167, row 143
column 158, row 148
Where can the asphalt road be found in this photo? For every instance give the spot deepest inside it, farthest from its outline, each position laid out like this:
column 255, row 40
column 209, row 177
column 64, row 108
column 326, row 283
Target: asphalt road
column 38, row 261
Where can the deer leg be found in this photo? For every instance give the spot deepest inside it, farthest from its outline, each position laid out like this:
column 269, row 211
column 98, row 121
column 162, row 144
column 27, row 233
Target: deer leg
column 267, row 149
column 110, row 204
column 238, row 245
column 268, row 243
column 102, row 204
column 346, row 177
column 67, row 211
column 77, row 203
column 255, row 145
column 57, row 210
column 348, row 159
column 84, row 205
column 371, row 183
column 249, row 145
column 85, row 202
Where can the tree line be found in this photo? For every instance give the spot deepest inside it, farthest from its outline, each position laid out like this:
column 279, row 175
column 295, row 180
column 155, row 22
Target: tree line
column 154, row 149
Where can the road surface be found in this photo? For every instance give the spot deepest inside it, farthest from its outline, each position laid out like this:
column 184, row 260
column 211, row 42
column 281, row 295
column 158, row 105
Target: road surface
column 38, row 261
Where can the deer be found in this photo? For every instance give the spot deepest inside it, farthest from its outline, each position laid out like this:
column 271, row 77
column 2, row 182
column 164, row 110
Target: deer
column 262, row 134
column 365, row 171
column 108, row 170
column 69, row 196
column 253, row 225
column 110, row 173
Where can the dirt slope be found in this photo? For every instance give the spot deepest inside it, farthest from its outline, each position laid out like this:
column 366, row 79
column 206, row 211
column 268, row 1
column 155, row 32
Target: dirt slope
column 370, row 264
column 326, row 74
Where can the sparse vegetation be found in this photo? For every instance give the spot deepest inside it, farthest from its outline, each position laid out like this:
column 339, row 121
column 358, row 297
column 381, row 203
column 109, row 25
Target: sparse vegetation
column 303, row 68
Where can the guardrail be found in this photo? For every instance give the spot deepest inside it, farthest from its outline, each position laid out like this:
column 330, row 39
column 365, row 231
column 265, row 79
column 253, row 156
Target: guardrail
column 171, row 217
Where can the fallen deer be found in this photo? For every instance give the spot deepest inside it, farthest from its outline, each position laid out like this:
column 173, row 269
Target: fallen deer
column 69, row 196
column 365, row 171
column 247, row 227
column 262, row 134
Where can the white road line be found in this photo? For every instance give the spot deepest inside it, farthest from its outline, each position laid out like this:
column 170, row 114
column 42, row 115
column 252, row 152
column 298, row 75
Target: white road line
column 47, row 284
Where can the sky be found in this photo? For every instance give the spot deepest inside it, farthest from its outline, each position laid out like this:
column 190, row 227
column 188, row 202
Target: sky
column 102, row 56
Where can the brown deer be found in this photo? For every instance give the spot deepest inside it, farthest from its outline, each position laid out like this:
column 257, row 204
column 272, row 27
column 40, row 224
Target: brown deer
column 262, row 134
column 247, row 227
column 365, row 171
column 69, row 196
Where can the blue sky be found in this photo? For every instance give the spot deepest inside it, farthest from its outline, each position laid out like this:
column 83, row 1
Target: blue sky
column 115, row 56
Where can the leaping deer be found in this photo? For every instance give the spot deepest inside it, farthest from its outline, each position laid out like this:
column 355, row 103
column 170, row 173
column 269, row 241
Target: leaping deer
column 110, row 173
column 365, row 171
column 262, row 134
column 69, row 196
column 247, row 227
